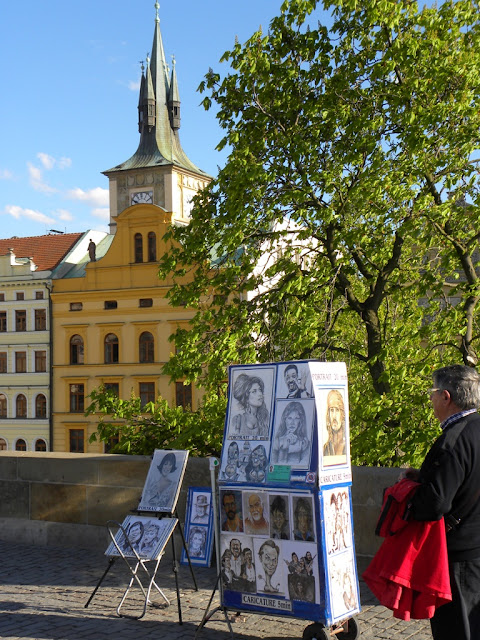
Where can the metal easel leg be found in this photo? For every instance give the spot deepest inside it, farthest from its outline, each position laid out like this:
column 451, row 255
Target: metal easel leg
column 175, row 571
column 185, row 546
column 111, row 561
column 207, row 616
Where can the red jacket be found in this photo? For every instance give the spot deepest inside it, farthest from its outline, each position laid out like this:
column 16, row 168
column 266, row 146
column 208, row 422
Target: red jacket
column 409, row 573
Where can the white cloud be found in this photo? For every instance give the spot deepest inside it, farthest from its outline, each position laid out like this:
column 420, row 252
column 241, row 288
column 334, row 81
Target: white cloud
column 36, row 180
column 103, row 214
column 96, row 197
column 19, row 214
column 5, row 174
column 134, row 86
column 49, row 161
column 64, row 214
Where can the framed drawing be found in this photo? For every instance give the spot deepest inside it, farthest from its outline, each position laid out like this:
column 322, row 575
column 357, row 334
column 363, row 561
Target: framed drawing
column 147, row 536
column 164, row 479
column 198, row 527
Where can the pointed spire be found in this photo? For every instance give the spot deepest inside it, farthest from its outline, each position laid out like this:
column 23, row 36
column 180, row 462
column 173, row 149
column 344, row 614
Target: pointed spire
column 159, row 113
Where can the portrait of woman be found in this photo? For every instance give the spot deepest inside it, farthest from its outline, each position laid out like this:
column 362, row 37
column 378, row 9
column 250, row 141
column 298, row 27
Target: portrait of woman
column 134, row 537
column 253, row 419
column 256, row 469
column 291, row 444
column 163, row 481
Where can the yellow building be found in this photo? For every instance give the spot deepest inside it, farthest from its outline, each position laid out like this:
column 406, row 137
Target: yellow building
column 111, row 318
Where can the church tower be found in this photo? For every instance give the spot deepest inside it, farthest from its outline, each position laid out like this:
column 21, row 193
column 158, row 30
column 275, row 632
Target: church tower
column 159, row 172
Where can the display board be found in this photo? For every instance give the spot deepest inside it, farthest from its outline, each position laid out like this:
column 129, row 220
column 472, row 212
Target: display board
column 286, row 542
column 145, row 536
column 199, row 527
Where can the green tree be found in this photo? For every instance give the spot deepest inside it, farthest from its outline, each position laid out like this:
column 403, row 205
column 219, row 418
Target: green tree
column 350, row 193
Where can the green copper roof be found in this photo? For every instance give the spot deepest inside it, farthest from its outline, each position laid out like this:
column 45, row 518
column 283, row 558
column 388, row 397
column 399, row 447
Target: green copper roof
column 159, row 144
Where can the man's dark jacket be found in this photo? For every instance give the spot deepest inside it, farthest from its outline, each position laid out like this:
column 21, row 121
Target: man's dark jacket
column 450, row 484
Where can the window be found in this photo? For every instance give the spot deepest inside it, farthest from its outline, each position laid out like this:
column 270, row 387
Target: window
column 147, row 392
column 20, row 361
column 3, row 362
column 138, row 247
column 183, row 395
column 21, row 406
column 152, row 247
column 3, row 406
column 146, row 347
column 111, row 349
column 113, row 441
column 20, row 295
column 3, row 320
column 110, row 304
column 112, row 386
column 76, row 306
column 40, row 406
column 40, row 319
column 20, row 320
column 39, row 295
column 2, row 299
column 77, row 440
column 145, row 302
column 77, row 398
column 76, row 349
column 20, row 445
column 40, row 361
column 3, row 445
column 40, row 445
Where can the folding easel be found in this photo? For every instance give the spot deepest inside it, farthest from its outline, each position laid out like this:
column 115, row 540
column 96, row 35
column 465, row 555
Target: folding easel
column 138, row 565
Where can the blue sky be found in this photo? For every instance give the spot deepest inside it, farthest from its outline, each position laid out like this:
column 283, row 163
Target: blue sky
column 70, row 74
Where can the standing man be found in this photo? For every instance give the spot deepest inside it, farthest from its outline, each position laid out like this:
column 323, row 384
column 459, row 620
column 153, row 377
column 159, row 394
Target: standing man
column 450, row 487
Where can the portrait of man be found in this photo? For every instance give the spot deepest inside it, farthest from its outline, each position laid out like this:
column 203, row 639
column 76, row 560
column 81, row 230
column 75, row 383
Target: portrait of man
column 303, row 520
column 196, row 542
column 335, row 425
column 295, row 381
column 255, row 522
column 278, row 518
column 201, row 509
column 232, row 507
column 268, row 554
column 248, row 571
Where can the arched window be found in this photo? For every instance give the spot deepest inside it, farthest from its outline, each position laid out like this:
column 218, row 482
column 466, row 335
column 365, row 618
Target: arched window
column 152, row 247
column 3, row 406
column 40, row 406
column 3, row 444
column 21, row 406
column 138, row 247
column 146, row 347
column 111, row 349
column 40, row 445
column 20, row 445
column 76, row 349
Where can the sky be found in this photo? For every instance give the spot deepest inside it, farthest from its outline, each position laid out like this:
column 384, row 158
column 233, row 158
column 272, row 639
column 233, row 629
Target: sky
column 70, row 75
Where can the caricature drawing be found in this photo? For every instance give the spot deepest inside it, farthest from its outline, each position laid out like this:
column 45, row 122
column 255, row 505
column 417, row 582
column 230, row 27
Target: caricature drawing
column 254, row 418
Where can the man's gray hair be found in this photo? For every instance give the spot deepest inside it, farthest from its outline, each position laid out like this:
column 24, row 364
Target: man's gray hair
column 462, row 383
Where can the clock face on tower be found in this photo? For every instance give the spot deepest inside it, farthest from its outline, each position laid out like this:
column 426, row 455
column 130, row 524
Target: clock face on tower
column 142, row 197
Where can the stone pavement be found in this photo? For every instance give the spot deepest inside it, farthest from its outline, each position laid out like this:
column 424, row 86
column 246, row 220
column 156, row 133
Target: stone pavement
column 43, row 592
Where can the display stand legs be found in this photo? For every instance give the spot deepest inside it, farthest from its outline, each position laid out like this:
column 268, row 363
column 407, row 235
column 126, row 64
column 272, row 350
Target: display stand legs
column 208, row 614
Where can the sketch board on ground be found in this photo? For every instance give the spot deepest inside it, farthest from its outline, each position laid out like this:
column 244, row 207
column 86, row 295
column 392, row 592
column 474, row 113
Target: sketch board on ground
column 147, row 536
column 286, row 542
column 164, row 479
column 198, row 527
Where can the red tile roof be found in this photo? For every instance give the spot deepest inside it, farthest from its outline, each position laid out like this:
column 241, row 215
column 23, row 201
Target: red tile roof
column 46, row 251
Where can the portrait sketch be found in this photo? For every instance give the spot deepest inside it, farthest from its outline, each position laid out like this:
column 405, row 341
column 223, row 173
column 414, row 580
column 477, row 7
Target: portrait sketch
column 143, row 535
column 337, row 514
column 343, row 584
column 231, row 519
column 198, row 527
column 250, row 403
column 279, row 516
column 292, row 436
column 256, row 513
column 270, row 577
column 164, row 479
column 334, row 431
column 294, row 381
column 300, row 561
column 303, row 519
column 238, row 568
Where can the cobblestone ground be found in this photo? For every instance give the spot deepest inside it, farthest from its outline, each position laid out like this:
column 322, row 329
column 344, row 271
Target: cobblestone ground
column 43, row 592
